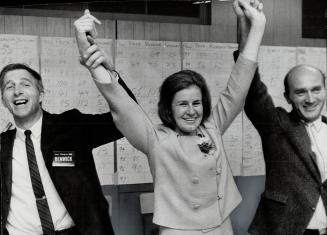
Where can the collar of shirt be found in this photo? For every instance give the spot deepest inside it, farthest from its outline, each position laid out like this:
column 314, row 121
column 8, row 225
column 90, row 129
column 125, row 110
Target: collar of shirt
column 35, row 129
column 316, row 125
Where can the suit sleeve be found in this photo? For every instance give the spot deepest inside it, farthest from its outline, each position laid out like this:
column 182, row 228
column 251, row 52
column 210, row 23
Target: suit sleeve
column 259, row 106
column 123, row 84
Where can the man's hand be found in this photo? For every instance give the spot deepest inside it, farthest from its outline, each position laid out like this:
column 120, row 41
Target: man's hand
column 239, row 9
column 86, row 24
column 251, row 22
column 243, row 25
column 85, row 30
column 243, row 18
column 252, row 10
column 95, row 56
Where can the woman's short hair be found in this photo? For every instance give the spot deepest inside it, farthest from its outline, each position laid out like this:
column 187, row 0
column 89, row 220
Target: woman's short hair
column 176, row 82
column 16, row 66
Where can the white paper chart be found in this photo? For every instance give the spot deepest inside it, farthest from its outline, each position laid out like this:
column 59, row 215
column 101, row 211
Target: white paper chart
column 69, row 85
column 214, row 61
column 274, row 63
column 104, row 163
column 143, row 65
column 315, row 56
column 16, row 49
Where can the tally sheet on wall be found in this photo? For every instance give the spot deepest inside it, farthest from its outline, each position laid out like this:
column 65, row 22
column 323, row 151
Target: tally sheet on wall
column 69, row 85
column 274, row 62
column 143, row 66
column 16, row 49
column 214, row 61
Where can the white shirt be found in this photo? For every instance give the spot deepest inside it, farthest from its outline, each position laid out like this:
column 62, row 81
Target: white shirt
column 317, row 131
column 23, row 218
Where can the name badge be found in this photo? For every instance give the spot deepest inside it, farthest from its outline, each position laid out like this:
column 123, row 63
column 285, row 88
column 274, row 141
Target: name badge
column 63, row 159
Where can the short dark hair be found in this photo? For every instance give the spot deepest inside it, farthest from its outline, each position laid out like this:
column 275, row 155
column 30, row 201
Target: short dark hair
column 16, row 66
column 176, row 82
column 290, row 72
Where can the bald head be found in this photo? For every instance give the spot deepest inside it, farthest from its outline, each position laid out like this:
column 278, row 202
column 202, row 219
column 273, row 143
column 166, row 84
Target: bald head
column 305, row 91
column 300, row 70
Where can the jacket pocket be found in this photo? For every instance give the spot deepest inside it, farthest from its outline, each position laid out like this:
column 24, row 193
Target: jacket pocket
column 275, row 196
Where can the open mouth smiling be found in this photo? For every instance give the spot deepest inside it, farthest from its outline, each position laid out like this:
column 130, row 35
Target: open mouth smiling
column 20, row 102
column 191, row 120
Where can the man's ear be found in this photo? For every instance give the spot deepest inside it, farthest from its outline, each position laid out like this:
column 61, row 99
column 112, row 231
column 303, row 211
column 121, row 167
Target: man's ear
column 41, row 96
column 3, row 102
column 287, row 97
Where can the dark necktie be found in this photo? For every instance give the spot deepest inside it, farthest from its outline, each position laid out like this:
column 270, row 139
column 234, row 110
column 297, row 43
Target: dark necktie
column 41, row 200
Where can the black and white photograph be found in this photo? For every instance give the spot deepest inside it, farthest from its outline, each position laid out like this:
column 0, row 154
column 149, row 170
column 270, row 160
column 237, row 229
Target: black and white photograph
column 176, row 117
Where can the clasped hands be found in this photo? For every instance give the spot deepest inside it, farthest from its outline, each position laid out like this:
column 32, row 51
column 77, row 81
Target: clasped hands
column 91, row 55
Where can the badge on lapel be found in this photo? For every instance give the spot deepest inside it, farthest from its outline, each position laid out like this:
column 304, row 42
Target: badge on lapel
column 63, row 159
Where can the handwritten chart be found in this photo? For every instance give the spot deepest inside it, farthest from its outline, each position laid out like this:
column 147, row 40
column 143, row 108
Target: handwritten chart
column 144, row 65
column 312, row 55
column 17, row 49
column 274, row 63
column 69, row 85
column 214, row 61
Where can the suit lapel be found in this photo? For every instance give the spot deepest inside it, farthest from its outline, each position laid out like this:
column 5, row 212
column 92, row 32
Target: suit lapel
column 7, row 142
column 301, row 141
column 47, row 134
column 324, row 119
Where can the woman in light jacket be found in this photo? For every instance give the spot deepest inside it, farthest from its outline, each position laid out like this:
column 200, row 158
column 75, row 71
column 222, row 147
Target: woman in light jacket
column 194, row 189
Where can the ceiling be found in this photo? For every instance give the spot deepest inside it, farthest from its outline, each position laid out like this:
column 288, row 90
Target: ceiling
column 184, row 8
column 43, row 2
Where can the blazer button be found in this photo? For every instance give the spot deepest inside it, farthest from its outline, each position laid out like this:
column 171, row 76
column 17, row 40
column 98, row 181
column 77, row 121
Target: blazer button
column 195, row 206
column 218, row 172
column 219, row 196
column 195, row 180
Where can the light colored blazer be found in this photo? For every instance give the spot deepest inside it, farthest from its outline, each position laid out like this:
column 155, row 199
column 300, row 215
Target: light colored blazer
column 191, row 190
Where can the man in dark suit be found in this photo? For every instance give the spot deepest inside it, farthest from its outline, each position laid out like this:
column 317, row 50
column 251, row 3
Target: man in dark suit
column 294, row 201
column 48, row 177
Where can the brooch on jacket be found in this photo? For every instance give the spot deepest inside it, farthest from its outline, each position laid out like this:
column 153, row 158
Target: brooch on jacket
column 205, row 145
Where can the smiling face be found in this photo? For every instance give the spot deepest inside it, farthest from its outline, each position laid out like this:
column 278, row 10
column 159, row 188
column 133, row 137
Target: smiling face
column 187, row 110
column 22, row 97
column 307, row 93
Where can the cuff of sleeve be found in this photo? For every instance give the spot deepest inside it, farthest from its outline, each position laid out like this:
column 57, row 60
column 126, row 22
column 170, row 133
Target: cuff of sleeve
column 113, row 77
column 243, row 59
column 245, row 66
